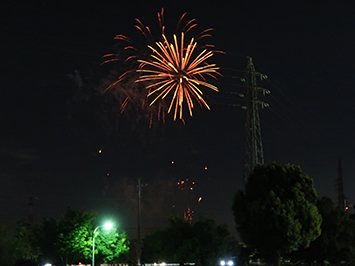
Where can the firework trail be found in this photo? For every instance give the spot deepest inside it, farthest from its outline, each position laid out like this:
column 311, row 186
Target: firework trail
column 171, row 72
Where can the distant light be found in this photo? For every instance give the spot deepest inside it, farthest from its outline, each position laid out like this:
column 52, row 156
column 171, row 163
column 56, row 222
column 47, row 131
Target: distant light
column 48, row 264
column 100, row 150
column 205, row 167
column 199, row 199
column 108, row 174
column 172, row 162
column 229, row 263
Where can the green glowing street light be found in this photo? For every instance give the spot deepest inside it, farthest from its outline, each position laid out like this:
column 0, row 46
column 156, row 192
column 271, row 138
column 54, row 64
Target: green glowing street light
column 107, row 226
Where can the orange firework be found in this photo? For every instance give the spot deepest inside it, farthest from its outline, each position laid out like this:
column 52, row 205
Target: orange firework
column 173, row 71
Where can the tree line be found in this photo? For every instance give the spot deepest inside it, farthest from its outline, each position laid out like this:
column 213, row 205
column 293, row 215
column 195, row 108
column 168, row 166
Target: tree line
column 68, row 240
column 279, row 217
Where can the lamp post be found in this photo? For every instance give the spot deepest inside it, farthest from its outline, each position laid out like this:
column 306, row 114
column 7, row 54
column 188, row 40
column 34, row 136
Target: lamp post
column 107, row 226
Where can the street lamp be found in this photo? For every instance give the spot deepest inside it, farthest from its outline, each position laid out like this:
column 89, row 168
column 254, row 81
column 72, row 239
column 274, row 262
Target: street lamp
column 107, row 226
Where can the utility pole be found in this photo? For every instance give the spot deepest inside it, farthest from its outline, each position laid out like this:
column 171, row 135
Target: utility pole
column 341, row 196
column 253, row 143
column 140, row 242
column 30, row 210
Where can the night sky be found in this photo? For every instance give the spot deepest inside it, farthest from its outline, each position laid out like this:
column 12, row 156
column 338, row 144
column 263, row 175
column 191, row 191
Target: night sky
column 52, row 129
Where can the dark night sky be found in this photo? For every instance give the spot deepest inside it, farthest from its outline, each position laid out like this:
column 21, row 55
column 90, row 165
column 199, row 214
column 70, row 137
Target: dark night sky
column 51, row 133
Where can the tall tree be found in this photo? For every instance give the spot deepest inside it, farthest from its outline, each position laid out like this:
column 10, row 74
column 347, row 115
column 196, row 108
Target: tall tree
column 277, row 212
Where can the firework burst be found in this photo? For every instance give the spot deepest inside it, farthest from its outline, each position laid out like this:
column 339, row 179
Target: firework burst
column 173, row 72
column 173, row 69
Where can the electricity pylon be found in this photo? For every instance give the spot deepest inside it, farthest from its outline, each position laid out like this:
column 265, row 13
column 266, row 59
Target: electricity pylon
column 253, row 143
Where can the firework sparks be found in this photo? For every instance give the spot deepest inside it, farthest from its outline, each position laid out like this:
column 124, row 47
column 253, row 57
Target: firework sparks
column 173, row 71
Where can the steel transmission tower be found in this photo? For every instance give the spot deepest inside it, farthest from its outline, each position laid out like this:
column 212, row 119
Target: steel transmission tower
column 253, row 143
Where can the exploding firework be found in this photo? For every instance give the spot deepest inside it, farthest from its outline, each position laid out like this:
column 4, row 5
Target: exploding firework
column 171, row 72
